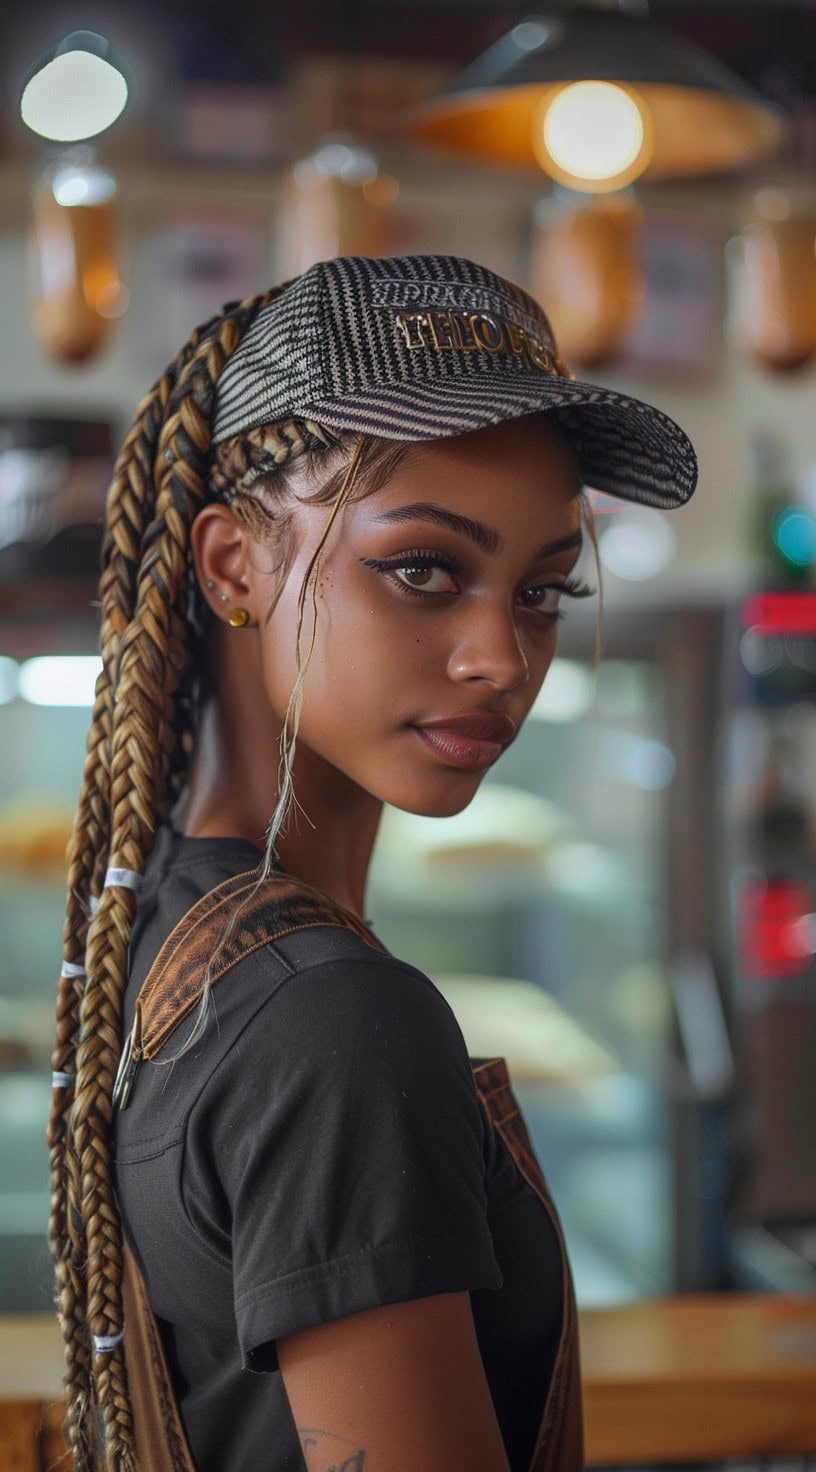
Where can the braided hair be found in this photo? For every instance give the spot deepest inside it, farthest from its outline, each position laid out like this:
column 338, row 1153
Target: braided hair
column 139, row 749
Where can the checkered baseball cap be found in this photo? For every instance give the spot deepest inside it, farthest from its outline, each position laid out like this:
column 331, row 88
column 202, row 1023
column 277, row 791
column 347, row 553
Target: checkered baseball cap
column 426, row 346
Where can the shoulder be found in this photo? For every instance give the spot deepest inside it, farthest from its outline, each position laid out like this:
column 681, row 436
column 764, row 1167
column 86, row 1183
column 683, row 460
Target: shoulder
column 320, row 1027
column 331, row 988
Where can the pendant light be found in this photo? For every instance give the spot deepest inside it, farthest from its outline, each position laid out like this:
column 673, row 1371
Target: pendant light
column 336, row 202
column 585, row 264
column 72, row 94
column 76, row 91
column 773, row 279
column 597, row 97
column 76, row 293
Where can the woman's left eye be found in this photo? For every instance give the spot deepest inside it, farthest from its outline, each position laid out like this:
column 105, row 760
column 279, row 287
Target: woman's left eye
column 546, row 597
column 541, row 599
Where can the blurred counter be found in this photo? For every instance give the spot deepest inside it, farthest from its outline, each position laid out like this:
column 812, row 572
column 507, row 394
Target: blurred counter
column 702, row 1378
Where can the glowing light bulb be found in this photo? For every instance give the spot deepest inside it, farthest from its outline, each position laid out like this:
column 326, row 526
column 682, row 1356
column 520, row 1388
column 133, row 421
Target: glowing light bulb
column 593, row 135
column 82, row 185
column 74, row 96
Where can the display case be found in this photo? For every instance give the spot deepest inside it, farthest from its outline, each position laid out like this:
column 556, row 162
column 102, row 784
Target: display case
column 43, row 749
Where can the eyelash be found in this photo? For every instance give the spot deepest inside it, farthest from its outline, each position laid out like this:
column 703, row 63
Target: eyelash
column 424, row 561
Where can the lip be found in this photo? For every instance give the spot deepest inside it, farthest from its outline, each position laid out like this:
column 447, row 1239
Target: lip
column 473, row 742
column 481, row 725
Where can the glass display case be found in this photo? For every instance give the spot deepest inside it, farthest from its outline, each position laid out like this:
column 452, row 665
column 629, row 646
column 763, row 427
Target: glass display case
column 550, row 913
column 43, row 750
column 540, row 913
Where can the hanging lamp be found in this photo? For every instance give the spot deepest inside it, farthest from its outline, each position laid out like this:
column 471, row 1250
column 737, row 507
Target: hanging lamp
column 335, row 203
column 773, row 280
column 73, row 94
column 77, row 90
column 597, row 97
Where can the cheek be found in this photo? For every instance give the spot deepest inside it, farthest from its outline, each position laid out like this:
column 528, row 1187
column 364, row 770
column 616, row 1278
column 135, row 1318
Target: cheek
column 357, row 660
column 540, row 655
column 364, row 635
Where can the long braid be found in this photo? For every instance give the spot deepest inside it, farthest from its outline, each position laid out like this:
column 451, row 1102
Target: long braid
column 137, row 755
column 87, row 858
column 129, row 508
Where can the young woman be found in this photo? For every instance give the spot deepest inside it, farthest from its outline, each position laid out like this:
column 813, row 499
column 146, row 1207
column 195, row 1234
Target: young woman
column 339, row 537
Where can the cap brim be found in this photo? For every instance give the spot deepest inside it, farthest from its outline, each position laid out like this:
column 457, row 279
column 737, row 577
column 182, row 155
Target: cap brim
column 625, row 447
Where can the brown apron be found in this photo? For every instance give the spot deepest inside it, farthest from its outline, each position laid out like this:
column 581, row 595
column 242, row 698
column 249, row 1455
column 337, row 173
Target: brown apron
column 267, row 912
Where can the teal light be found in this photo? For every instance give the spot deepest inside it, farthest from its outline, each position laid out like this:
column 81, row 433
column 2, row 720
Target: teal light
column 794, row 536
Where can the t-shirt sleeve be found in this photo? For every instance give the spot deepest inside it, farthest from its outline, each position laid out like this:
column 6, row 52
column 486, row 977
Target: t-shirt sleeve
column 348, row 1144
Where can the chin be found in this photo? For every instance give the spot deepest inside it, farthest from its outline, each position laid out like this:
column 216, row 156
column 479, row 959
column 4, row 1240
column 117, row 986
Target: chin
column 438, row 804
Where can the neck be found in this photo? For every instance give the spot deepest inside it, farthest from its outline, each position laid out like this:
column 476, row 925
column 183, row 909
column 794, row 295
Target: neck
column 329, row 834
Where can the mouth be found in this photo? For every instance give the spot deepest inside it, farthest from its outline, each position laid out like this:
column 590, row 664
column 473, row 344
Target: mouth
column 472, row 742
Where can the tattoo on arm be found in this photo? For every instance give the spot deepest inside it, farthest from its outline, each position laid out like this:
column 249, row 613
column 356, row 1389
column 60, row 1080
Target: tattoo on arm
column 321, row 1455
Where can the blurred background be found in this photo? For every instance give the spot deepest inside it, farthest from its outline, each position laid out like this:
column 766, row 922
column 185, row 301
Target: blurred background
column 627, row 911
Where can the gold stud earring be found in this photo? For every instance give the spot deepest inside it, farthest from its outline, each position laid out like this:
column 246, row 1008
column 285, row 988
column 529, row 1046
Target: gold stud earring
column 238, row 618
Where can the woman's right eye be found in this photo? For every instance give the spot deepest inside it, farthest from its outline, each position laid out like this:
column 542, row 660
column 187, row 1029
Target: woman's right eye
column 425, row 578
column 418, row 572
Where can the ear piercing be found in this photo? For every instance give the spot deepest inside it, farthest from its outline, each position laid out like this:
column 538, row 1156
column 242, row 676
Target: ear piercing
column 238, row 618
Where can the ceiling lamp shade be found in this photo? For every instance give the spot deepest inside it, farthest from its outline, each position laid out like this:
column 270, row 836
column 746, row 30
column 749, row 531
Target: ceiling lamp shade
column 585, row 264
column 598, row 98
column 774, row 282
column 335, row 204
column 76, row 91
column 76, row 294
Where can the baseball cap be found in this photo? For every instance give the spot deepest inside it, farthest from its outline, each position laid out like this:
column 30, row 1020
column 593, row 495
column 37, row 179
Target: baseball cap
column 421, row 347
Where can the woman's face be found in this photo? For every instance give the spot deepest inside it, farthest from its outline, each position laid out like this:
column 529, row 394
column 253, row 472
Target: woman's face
column 436, row 614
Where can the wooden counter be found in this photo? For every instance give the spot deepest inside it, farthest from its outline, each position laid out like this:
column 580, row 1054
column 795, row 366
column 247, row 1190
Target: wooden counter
column 700, row 1378
column 677, row 1379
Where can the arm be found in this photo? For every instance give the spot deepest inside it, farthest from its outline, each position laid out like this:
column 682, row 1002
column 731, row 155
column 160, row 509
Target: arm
column 393, row 1389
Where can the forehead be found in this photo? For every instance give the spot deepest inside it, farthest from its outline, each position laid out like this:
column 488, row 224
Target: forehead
column 516, row 473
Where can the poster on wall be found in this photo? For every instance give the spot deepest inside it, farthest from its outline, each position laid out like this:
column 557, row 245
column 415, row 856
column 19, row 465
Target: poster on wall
column 187, row 269
column 677, row 334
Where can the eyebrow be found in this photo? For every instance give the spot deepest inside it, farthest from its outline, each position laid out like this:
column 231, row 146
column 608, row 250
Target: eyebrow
column 483, row 536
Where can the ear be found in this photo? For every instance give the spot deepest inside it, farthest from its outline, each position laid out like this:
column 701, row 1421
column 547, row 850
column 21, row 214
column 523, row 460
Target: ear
column 221, row 548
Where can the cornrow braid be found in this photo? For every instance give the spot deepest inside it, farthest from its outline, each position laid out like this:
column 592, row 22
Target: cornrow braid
column 239, row 463
column 138, row 748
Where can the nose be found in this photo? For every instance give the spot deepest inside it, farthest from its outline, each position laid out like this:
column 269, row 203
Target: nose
column 489, row 648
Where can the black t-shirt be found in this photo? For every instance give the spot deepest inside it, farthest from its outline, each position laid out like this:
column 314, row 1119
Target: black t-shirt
column 318, row 1151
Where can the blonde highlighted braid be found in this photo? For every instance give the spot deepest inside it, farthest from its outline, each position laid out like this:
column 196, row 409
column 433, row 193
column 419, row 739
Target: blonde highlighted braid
column 138, row 746
column 138, row 753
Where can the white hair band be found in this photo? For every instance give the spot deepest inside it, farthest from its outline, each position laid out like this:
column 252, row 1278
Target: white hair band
column 116, row 879
column 71, row 968
column 122, row 879
column 105, row 1343
column 61, row 1080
